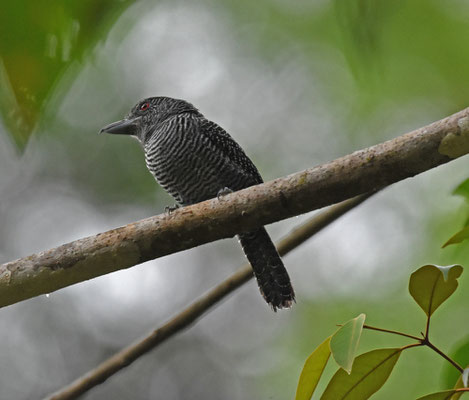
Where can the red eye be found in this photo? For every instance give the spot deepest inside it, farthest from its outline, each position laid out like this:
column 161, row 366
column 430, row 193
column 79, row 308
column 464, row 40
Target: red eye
column 144, row 106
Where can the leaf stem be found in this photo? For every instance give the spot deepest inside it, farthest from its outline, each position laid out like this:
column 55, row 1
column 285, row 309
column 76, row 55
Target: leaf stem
column 393, row 332
column 421, row 342
column 427, row 328
column 409, row 346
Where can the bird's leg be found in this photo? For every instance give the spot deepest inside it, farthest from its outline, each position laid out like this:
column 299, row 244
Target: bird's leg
column 223, row 192
column 169, row 209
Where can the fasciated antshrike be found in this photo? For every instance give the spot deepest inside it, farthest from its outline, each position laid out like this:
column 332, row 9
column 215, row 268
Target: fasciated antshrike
column 195, row 160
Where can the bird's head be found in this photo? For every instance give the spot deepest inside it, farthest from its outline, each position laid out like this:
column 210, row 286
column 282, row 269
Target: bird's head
column 147, row 114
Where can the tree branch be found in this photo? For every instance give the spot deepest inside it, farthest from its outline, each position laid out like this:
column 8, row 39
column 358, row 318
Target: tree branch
column 346, row 177
column 190, row 314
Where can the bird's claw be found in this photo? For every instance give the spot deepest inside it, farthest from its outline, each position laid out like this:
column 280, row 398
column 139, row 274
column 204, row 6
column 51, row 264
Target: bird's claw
column 223, row 192
column 169, row 209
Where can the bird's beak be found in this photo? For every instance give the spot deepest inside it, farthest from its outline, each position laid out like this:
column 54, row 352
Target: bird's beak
column 123, row 127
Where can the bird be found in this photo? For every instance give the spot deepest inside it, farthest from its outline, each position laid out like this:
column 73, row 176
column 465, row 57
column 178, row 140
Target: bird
column 194, row 159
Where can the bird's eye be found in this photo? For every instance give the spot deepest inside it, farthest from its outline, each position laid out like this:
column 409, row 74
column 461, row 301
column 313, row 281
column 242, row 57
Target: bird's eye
column 144, row 106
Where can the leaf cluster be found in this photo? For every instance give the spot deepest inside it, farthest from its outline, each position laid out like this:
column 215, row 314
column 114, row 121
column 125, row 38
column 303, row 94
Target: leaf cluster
column 359, row 377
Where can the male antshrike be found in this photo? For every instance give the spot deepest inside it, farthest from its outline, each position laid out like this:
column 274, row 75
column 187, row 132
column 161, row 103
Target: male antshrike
column 194, row 160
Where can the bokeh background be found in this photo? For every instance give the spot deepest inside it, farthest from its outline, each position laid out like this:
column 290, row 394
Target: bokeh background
column 297, row 83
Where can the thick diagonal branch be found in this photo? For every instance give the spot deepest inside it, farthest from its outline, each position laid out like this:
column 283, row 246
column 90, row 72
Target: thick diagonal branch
column 346, row 177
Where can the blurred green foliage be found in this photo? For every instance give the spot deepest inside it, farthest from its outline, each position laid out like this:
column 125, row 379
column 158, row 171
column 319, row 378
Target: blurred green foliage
column 397, row 51
column 39, row 41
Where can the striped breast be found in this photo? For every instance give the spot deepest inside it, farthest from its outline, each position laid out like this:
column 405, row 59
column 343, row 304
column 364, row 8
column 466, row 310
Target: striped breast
column 193, row 159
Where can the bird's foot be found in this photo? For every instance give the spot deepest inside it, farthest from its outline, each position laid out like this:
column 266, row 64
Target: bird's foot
column 223, row 192
column 169, row 209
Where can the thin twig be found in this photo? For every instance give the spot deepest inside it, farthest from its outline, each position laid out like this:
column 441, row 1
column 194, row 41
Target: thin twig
column 427, row 326
column 190, row 314
column 409, row 346
column 391, row 331
column 421, row 342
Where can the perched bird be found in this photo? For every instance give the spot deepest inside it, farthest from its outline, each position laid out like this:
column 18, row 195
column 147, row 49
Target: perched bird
column 194, row 160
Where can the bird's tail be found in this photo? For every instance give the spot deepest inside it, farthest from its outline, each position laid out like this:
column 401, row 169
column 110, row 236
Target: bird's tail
column 272, row 277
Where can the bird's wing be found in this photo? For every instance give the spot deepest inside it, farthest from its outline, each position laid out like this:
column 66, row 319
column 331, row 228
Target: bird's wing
column 225, row 144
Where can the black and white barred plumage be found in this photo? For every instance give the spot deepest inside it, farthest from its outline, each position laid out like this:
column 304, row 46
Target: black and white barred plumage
column 194, row 159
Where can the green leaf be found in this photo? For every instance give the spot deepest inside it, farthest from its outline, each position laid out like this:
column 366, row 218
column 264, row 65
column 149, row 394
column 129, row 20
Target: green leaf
column 457, row 395
column 462, row 189
column 312, row 371
column 444, row 395
column 458, row 237
column 461, row 383
column 370, row 371
column 39, row 42
column 431, row 285
column 344, row 343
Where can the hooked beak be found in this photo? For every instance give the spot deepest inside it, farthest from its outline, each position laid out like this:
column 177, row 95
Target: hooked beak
column 123, row 127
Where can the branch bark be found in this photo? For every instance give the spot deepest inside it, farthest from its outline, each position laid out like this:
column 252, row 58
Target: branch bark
column 194, row 311
column 363, row 171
